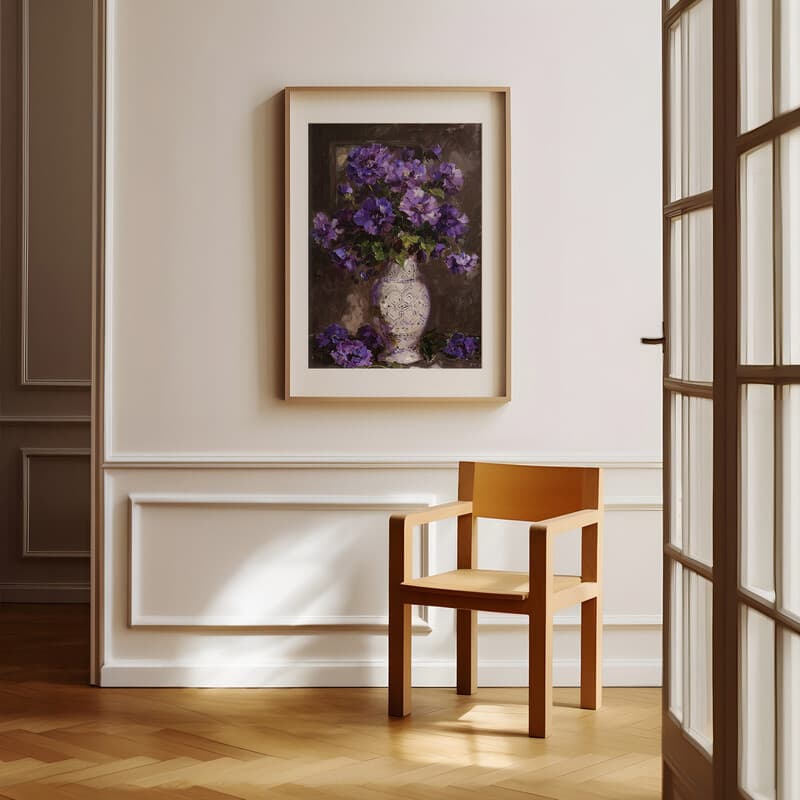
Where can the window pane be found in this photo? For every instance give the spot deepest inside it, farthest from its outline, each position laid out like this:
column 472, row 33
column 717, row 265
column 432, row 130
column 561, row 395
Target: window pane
column 755, row 195
column 691, row 296
column 790, row 240
column 790, row 563
column 699, row 87
column 676, row 641
column 690, row 104
column 755, row 63
column 700, row 478
column 676, row 110
column 677, row 434
column 691, row 475
column 789, row 722
column 676, row 310
column 758, row 482
column 700, row 718
column 757, row 763
column 789, row 57
column 701, row 295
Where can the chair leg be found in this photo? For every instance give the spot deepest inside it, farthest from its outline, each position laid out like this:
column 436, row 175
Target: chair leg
column 466, row 652
column 399, row 659
column 540, row 673
column 591, row 654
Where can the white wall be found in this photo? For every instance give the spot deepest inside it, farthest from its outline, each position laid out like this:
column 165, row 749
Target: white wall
column 195, row 331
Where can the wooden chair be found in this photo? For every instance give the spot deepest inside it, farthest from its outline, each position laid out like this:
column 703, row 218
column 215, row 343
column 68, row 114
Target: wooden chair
column 555, row 500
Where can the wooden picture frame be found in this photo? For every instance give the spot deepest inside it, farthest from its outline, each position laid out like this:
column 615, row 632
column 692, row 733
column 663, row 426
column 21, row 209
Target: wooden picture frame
column 387, row 189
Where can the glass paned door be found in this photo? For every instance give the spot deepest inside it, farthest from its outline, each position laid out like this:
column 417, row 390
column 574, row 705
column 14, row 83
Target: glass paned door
column 768, row 386
column 688, row 396
column 731, row 193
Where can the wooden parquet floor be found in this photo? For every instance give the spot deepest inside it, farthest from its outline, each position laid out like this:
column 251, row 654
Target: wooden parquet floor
column 63, row 740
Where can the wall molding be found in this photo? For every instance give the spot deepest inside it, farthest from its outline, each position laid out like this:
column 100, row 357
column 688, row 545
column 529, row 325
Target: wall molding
column 25, row 379
column 489, row 620
column 279, row 624
column 27, row 454
column 420, row 618
column 367, row 672
column 44, row 592
column 15, row 419
column 211, row 461
column 420, row 623
column 644, row 503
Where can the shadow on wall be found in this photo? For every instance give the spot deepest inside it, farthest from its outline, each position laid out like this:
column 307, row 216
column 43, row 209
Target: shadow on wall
column 306, row 587
column 268, row 229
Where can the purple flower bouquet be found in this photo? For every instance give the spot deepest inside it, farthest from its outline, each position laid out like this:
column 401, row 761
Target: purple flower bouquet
column 396, row 208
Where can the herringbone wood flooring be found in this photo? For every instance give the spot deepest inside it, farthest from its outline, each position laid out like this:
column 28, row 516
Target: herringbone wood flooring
column 63, row 740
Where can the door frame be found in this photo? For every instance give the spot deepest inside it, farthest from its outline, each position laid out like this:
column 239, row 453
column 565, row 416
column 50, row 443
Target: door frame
column 726, row 470
column 97, row 572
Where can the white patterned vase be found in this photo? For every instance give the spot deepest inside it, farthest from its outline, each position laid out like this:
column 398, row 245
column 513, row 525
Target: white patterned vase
column 403, row 304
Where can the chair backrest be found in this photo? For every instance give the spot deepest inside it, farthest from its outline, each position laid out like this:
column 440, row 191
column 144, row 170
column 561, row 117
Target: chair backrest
column 528, row 493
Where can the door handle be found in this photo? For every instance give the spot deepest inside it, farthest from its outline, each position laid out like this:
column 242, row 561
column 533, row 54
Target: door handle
column 654, row 339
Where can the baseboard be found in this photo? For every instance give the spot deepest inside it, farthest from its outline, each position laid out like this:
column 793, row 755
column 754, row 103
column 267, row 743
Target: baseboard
column 616, row 672
column 44, row 593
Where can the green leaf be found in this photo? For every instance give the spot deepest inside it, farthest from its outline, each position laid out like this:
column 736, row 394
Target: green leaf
column 408, row 239
column 432, row 343
column 437, row 192
column 427, row 245
column 378, row 251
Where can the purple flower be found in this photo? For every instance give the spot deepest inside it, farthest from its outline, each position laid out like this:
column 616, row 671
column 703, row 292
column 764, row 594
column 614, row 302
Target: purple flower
column 420, row 207
column 434, row 153
column 368, row 164
column 453, row 222
column 461, row 263
column 345, row 257
column 375, row 215
column 325, row 231
column 351, row 353
column 370, row 337
column 332, row 335
column 451, row 177
column 406, row 174
column 461, row 346
column 437, row 251
column 407, row 153
column 344, row 189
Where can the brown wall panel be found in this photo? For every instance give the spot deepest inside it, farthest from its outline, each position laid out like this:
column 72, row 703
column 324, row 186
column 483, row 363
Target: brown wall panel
column 15, row 568
column 55, row 502
column 45, row 301
column 56, row 232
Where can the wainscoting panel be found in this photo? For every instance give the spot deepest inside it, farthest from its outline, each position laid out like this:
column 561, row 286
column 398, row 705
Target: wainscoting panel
column 275, row 575
column 44, row 467
column 274, row 568
column 55, row 502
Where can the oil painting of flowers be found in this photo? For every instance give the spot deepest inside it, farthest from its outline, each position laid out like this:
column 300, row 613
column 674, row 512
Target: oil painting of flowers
column 394, row 226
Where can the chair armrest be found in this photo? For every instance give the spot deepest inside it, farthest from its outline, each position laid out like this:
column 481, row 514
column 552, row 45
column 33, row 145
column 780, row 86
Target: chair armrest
column 401, row 527
column 567, row 522
column 445, row 511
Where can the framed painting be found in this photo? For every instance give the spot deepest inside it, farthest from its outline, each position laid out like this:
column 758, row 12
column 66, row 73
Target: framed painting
column 397, row 243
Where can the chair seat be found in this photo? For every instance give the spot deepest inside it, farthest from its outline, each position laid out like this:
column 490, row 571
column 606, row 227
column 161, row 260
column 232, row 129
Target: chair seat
column 500, row 585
